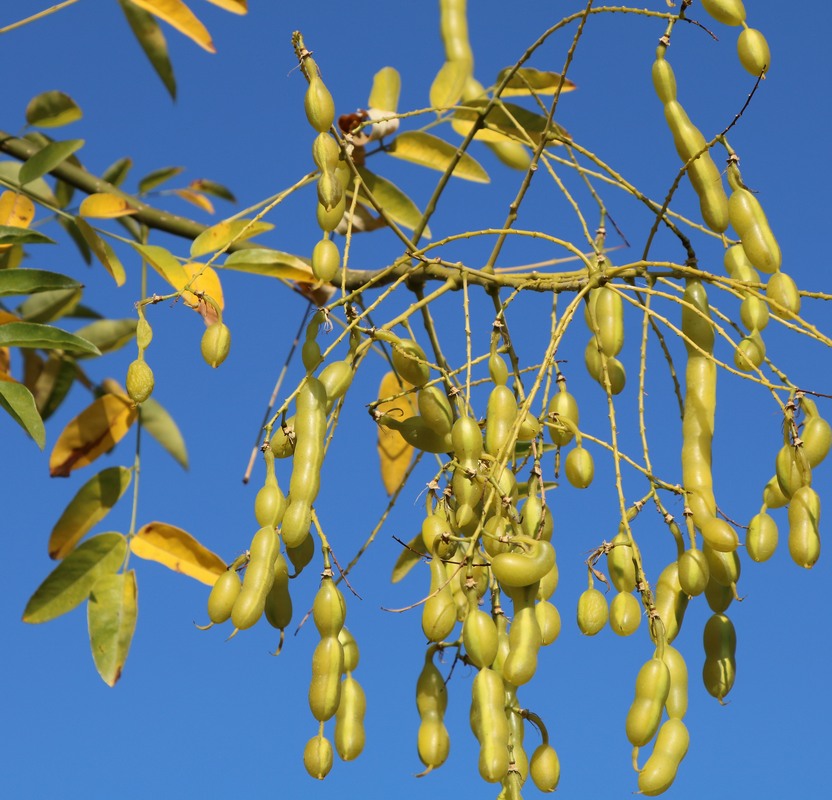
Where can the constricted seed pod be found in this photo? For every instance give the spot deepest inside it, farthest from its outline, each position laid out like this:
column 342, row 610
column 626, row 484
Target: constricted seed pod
column 439, row 610
column 435, row 410
column 754, row 312
column 772, row 496
column 500, row 417
column 753, row 51
column 719, row 535
column 670, row 600
column 479, row 635
column 407, row 358
column 816, row 433
column 328, row 609
column 349, row 720
column 544, row 768
column 762, row 536
column 325, row 152
column 524, row 638
column 792, row 470
column 433, row 743
column 269, row 505
column 645, row 714
column 620, row 563
column 593, row 612
column 595, row 362
column 664, row 81
column 720, row 668
column 749, row 221
column 301, row 555
column 804, row 519
column 719, row 597
column 659, row 772
column 325, row 686
column 519, row 569
column 317, row 757
column 278, row 606
column 139, row 381
column 351, row 652
column 329, row 220
column 750, row 352
column 216, row 342
column 258, row 579
column 724, row 567
column 144, row 333
column 490, row 725
column 625, row 614
column 606, row 308
column 223, row 594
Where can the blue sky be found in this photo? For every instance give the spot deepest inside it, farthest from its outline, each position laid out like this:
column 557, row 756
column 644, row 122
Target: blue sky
column 194, row 715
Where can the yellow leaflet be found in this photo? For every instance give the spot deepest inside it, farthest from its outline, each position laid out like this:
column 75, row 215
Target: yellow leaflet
column 164, row 263
column 234, row 6
column 179, row 16
column 104, row 205
column 409, row 557
column 103, row 252
column 207, row 283
column 384, row 95
column 449, row 84
column 5, row 361
column 177, row 550
column 224, row 233
column 393, row 451
column 97, row 429
column 16, row 210
column 196, row 198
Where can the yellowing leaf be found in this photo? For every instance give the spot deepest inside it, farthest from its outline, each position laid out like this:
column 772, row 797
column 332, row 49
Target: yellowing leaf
column 234, row 6
column 179, row 16
column 430, row 151
column 207, row 283
column 164, row 263
column 223, row 233
column 271, row 263
column 195, row 198
column 499, row 125
column 52, row 109
column 70, row 583
column 449, row 84
column 387, row 85
column 111, row 617
column 409, row 557
column 103, row 252
column 16, row 210
column 97, row 429
column 526, row 79
column 103, row 205
column 396, row 204
column 177, row 550
column 393, row 451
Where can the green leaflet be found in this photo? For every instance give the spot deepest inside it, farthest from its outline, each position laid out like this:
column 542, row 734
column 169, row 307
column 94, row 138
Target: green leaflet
column 31, row 281
column 111, row 617
column 18, row 401
column 162, row 427
column 70, row 583
column 33, row 334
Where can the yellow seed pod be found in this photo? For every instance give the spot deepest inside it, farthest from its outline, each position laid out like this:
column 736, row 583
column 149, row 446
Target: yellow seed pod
column 326, row 260
column 754, row 312
column 579, row 467
column 762, row 536
column 524, row 568
column 792, row 470
column 433, row 743
column 753, row 51
column 351, row 652
column 216, row 342
column 719, row 535
column 719, row 597
column 773, row 497
column 804, row 519
column 724, row 567
column 318, row 104
column 435, row 410
column 693, row 572
column 139, row 381
column 562, row 406
column 670, row 600
column 606, row 307
column 625, row 614
column 728, row 12
column 544, row 768
column 317, row 757
column 144, row 333
column 278, row 607
column 479, row 635
column 329, row 220
column 644, row 716
column 749, row 221
column 223, row 594
column 593, row 612
column 325, row 686
column 330, row 191
column 302, row 554
column 548, row 620
column 525, row 639
column 439, row 610
column 620, row 564
column 328, row 609
column 750, row 352
column 349, row 720
column 325, row 152
column 548, row 583
column 500, row 417
column 269, row 505
column 781, row 289
column 595, row 361
column 720, row 669
column 677, row 697
column 659, row 771
column 664, row 81
column 490, row 725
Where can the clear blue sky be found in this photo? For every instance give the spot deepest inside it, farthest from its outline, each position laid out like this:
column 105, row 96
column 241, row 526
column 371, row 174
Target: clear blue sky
column 195, row 716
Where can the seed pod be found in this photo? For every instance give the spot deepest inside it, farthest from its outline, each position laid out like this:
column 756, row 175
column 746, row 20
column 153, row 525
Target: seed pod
column 606, row 308
column 720, row 535
column 269, row 505
column 319, row 106
column 677, row 697
column 724, row 567
column 659, row 771
column 328, row 609
column 467, row 443
column 139, row 381
column 693, row 572
column 749, row 221
column 544, row 768
column 754, row 312
column 326, row 260
column 761, row 539
column 562, row 406
column 431, row 701
column 435, row 410
column 223, row 594
column 579, row 467
column 728, row 12
column 325, row 686
column 351, row 652
column 804, row 518
column 719, row 597
column 750, row 352
column 349, row 720
column 325, row 152
column 248, row 607
column 781, row 289
column 670, row 601
column 519, row 569
column 625, row 614
column 595, row 361
column 792, row 470
column 330, row 191
column 592, row 612
column 772, row 496
column 737, row 264
column 436, row 534
column 404, row 357
column 489, row 724
column 720, row 668
column 525, row 639
column 439, row 610
column 548, row 583
column 753, row 51
column 500, row 417
column 317, row 757
column 652, row 688
column 537, row 521
column 301, row 555
column 497, row 369
column 479, row 635
column 620, row 563
column 328, row 221
column 144, row 333
column 216, row 342
column 415, row 432
column 816, row 434
column 529, row 428
column 664, row 81
column 548, row 619
column 278, row 606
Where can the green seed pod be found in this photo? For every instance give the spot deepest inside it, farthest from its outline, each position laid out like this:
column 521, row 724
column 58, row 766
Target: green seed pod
column 761, row 539
column 278, row 607
column 625, row 614
column 781, row 289
column 693, row 572
column 749, row 221
column 607, row 308
column 139, row 381
column 670, row 600
column 144, row 333
column 500, row 417
column 728, row 12
column 548, row 619
column 224, row 592
column 351, row 652
column 529, row 428
column 544, row 768
column 792, row 470
column 317, row 757
column 525, row 639
column 405, row 355
column 328, row 609
column 319, row 106
column 310, row 355
column 329, row 220
column 720, row 535
column 349, row 720
column 659, row 771
column 664, row 81
column 330, row 191
column 753, row 51
column 282, row 443
column 439, row 610
column 436, row 534
column 595, row 361
column 548, row 583
column 415, row 432
column 497, row 369
column 336, row 378
column 479, row 635
column 816, row 435
column 737, row 264
column 804, row 518
column 579, row 467
column 249, row 605
column 301, row 555
column 750, row 353
column 431, row 702
column 620, row 564
column 719, row 597
column 593, row 612
column 537, row 521
column 724, row 567
column 467, row 443
column 677, row 697
column 435, row 410
column 644, row 716
column 562, row 406
column 772, row 496
column 325, row 686
column 216, row 342
column 489, row 723
column 269, row 505
column 326, row 260
column 720, row 668
column 433, row 743
column 325, row 152
column 519, row 569
column 754, row 312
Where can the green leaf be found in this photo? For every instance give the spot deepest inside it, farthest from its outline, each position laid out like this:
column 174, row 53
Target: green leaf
column 449, row 84
column 38, row 189
column 152, row 41
column 91, row 504
column 387, row 85
column 72, row 229
column 396, row 204
column 271, row 263
column 54, row 382
column 158, row 177
column 223, row 233
column 31, row 281
column 408, row 558
column 109, row 335
column 526, row 79
column 49, row 306
column 70, row 583
column 46, row 159
column 103, row 252
column 64, row 193
column 430, row 151
column 52, row 109
column 498, row 123
column 10, row 234
column 111, row 617
column 164, row 263
column 18, row 401
column 162, row 427
column 213, row 188
column 117, row 172
column 33, row 334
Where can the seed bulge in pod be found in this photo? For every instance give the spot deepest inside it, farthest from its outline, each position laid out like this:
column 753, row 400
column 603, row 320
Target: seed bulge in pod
column 761, row 539
column 325, row 152
column 625, row 614
column 216, row 342
column 580, row 468
column 592, row 612
column 319, row 106
column 693, row 572
column 139, row 381
column 562, row 406
column 753, row 51
column 317, row 757
column 544, row 768
column 782, row 289
column 223, row 594
column 326, row 260
column 728, row 12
